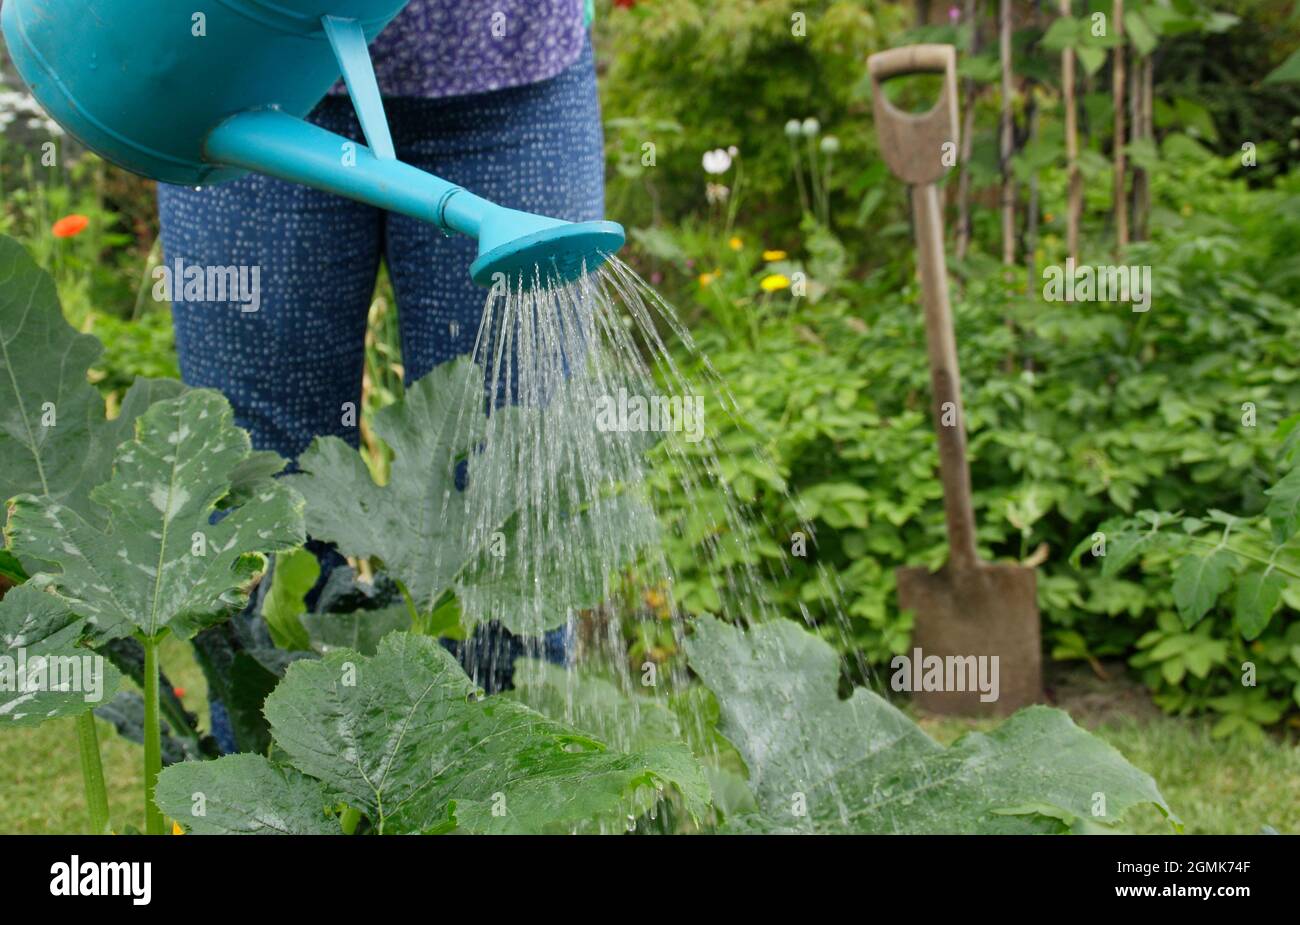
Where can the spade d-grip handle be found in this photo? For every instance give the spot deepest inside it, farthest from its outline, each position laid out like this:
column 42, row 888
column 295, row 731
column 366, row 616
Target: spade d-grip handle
column 912, row 143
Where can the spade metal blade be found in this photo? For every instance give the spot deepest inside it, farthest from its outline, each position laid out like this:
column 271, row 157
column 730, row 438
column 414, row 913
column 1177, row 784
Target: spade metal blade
column 989, row 610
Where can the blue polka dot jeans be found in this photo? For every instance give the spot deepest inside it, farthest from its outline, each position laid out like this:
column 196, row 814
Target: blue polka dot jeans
column 290, row 367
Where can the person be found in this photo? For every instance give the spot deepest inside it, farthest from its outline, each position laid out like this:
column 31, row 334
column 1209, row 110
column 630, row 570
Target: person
column 498, row 98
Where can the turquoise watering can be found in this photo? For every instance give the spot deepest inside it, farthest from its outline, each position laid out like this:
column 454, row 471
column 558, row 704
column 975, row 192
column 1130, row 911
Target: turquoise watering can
column 196, row 98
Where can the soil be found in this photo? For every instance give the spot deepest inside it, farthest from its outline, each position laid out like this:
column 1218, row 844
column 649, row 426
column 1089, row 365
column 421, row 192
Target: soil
column 1077, row 689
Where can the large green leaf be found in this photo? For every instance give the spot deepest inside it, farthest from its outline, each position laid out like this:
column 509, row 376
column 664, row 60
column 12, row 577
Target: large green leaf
column 821, row 764
column 161, row 563
column 48, row 411
column 415, row 523
column 403, row 738
column 244, row 795
column 541, row 545
column 44, row 674
column 54, row 439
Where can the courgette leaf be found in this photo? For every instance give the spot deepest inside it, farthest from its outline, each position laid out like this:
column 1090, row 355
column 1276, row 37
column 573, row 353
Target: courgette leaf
column 819, row 764
column 44, row 673
column 415, row 522
column 54, row 439
column 403, row 738
column 161, row 563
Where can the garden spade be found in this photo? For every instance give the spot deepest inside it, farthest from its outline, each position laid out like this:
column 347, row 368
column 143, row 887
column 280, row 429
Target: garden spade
column 976, row 646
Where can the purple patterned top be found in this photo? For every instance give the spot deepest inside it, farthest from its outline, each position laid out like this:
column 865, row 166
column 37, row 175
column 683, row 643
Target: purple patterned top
column 438, row 48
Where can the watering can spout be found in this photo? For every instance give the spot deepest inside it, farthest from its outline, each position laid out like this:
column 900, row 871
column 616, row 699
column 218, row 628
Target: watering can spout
column 283, row 146
column 515, row 248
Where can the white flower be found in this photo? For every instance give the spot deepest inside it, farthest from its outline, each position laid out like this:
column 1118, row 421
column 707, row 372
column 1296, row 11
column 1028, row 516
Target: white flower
column 717, row 161
column 792, row 128
column 716, row 192
column 811, row 127
column 830, row 144
column 733, row 151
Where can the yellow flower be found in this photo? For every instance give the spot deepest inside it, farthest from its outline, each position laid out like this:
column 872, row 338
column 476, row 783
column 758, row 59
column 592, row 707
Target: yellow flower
column 775, row 282
column 707, row 278
column 176, row 829
column 769, row 256
column 735, row 244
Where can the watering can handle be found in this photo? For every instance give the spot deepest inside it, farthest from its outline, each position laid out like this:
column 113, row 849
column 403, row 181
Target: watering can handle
column 913, row 144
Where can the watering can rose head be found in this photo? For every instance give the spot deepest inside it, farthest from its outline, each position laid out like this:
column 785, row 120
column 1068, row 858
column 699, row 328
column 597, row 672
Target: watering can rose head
column 519, row 248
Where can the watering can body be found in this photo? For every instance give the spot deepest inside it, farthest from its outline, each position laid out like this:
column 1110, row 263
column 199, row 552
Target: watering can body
column 145, row 82
column 199, row 97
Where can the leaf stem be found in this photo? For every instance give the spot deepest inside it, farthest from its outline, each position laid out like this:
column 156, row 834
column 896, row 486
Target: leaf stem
column 349, row 820
column 153, row 817
column 416, row 625
column 92, row 773
column 1222, row 544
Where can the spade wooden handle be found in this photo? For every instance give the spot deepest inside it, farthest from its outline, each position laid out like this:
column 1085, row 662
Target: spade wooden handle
column 913, row 147
column 913, row 144
column 945, row 379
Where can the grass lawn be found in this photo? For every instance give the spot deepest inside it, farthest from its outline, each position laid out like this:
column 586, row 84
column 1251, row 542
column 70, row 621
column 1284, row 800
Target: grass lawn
column 42, row 789
column 1216, row 786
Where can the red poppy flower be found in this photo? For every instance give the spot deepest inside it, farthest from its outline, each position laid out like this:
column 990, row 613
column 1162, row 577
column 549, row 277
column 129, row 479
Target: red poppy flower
column 70, row 226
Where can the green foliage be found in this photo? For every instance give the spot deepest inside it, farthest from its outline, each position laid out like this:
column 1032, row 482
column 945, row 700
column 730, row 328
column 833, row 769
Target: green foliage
column 54, row 439
column 56, row 676
column 691, row 77
column 51, row 418
column 1224, row 571
column 293, row 576
column 404, row 738
column 160, row 563
column 419, row 511
column 820, row 764
column 1077, row 413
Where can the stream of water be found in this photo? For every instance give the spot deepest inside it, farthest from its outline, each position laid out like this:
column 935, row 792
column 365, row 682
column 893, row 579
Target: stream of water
column 593, row 417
